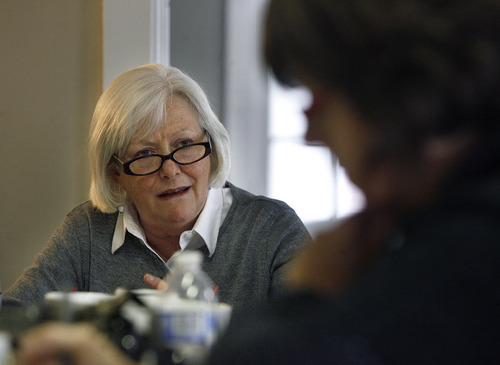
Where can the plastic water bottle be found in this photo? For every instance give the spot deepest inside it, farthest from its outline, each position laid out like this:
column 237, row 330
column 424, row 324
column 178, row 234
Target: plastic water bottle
column 188, row 281
column 6, row 355
column 187, row 320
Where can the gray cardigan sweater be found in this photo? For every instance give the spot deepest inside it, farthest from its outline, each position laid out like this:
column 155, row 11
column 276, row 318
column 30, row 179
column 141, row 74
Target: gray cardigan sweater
column 256, row 240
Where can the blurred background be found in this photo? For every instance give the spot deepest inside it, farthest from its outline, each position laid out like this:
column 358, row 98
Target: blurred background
column 56, row 56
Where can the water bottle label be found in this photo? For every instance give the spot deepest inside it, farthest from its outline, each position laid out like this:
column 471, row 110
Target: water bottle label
column 188, row 327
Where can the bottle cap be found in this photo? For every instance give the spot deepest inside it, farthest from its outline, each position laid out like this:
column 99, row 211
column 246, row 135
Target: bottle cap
column 189, row 257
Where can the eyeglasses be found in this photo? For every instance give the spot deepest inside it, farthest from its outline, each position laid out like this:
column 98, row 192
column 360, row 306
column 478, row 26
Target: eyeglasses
column 184, row 155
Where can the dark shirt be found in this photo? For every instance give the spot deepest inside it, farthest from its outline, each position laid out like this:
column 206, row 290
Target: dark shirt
column 432, row 299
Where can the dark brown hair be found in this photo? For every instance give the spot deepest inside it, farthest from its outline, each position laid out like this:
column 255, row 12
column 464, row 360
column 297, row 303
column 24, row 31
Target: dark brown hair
column 414, row 68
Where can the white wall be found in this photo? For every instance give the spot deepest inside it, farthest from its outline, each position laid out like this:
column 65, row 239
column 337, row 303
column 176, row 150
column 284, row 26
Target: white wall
column 135, row 32
column 246, row 94
column 217, row 42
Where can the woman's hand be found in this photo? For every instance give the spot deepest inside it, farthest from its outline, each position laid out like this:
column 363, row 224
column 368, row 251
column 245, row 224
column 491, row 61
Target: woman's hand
column 155, row 282
column 78, row 344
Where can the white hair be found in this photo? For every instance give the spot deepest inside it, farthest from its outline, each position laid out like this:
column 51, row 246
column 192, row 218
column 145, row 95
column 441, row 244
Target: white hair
column 137, row 100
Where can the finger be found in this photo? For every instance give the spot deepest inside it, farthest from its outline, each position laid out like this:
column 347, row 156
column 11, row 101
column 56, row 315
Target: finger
column 80, row 344
column 50, row 342
column 155, row 282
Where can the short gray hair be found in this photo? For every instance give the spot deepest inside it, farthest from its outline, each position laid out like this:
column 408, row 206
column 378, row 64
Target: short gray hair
column 136, row 100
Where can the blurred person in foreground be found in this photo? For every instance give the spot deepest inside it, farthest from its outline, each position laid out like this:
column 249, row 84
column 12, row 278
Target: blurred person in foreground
column 160, row 159
column 406, row 95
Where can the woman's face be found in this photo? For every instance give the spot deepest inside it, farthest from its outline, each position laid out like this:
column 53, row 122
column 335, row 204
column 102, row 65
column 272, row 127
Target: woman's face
column 332, row 120
column 394, row 179
column 171, row 198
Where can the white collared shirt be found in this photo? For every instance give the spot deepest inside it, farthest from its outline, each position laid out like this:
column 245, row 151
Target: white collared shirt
column 204, row 232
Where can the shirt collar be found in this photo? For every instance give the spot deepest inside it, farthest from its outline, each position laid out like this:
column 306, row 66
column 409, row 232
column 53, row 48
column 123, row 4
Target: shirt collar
column 204, row 232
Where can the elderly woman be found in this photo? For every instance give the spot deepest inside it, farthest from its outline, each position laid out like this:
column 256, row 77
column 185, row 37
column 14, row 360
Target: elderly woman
column 160, row 159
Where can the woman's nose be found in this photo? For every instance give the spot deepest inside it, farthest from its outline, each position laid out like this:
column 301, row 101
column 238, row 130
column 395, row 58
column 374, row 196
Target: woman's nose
column 170, row 169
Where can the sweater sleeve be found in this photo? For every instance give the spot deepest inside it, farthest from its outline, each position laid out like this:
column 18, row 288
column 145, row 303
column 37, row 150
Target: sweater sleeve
column 288, row 234
column 256, row 242
column 61, row 265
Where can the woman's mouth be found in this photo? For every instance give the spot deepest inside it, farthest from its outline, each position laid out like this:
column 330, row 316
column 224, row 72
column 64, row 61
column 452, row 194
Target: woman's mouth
column 174, row 192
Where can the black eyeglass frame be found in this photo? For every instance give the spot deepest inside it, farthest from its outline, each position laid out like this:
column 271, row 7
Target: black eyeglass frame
column 170, row 156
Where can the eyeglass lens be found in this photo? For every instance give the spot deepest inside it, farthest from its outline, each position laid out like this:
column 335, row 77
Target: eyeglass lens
column 183, row 155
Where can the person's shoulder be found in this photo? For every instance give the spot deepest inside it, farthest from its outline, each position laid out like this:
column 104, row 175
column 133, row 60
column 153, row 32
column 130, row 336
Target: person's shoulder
column 264, row 333
column 88, row 211
column 84, row 208
column 85, row 217
column 246, row 198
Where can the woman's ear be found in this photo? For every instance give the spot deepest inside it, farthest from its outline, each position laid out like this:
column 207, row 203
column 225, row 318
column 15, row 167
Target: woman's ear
column 116, row 177
column 439, row 157
column 404, row 183
column 444, row 151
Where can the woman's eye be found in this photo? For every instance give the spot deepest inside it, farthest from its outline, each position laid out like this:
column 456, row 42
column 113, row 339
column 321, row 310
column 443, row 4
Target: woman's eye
column 143, row 153
column 184, row 143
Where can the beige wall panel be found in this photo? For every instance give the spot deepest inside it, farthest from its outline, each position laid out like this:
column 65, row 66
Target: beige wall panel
column 50, row 80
